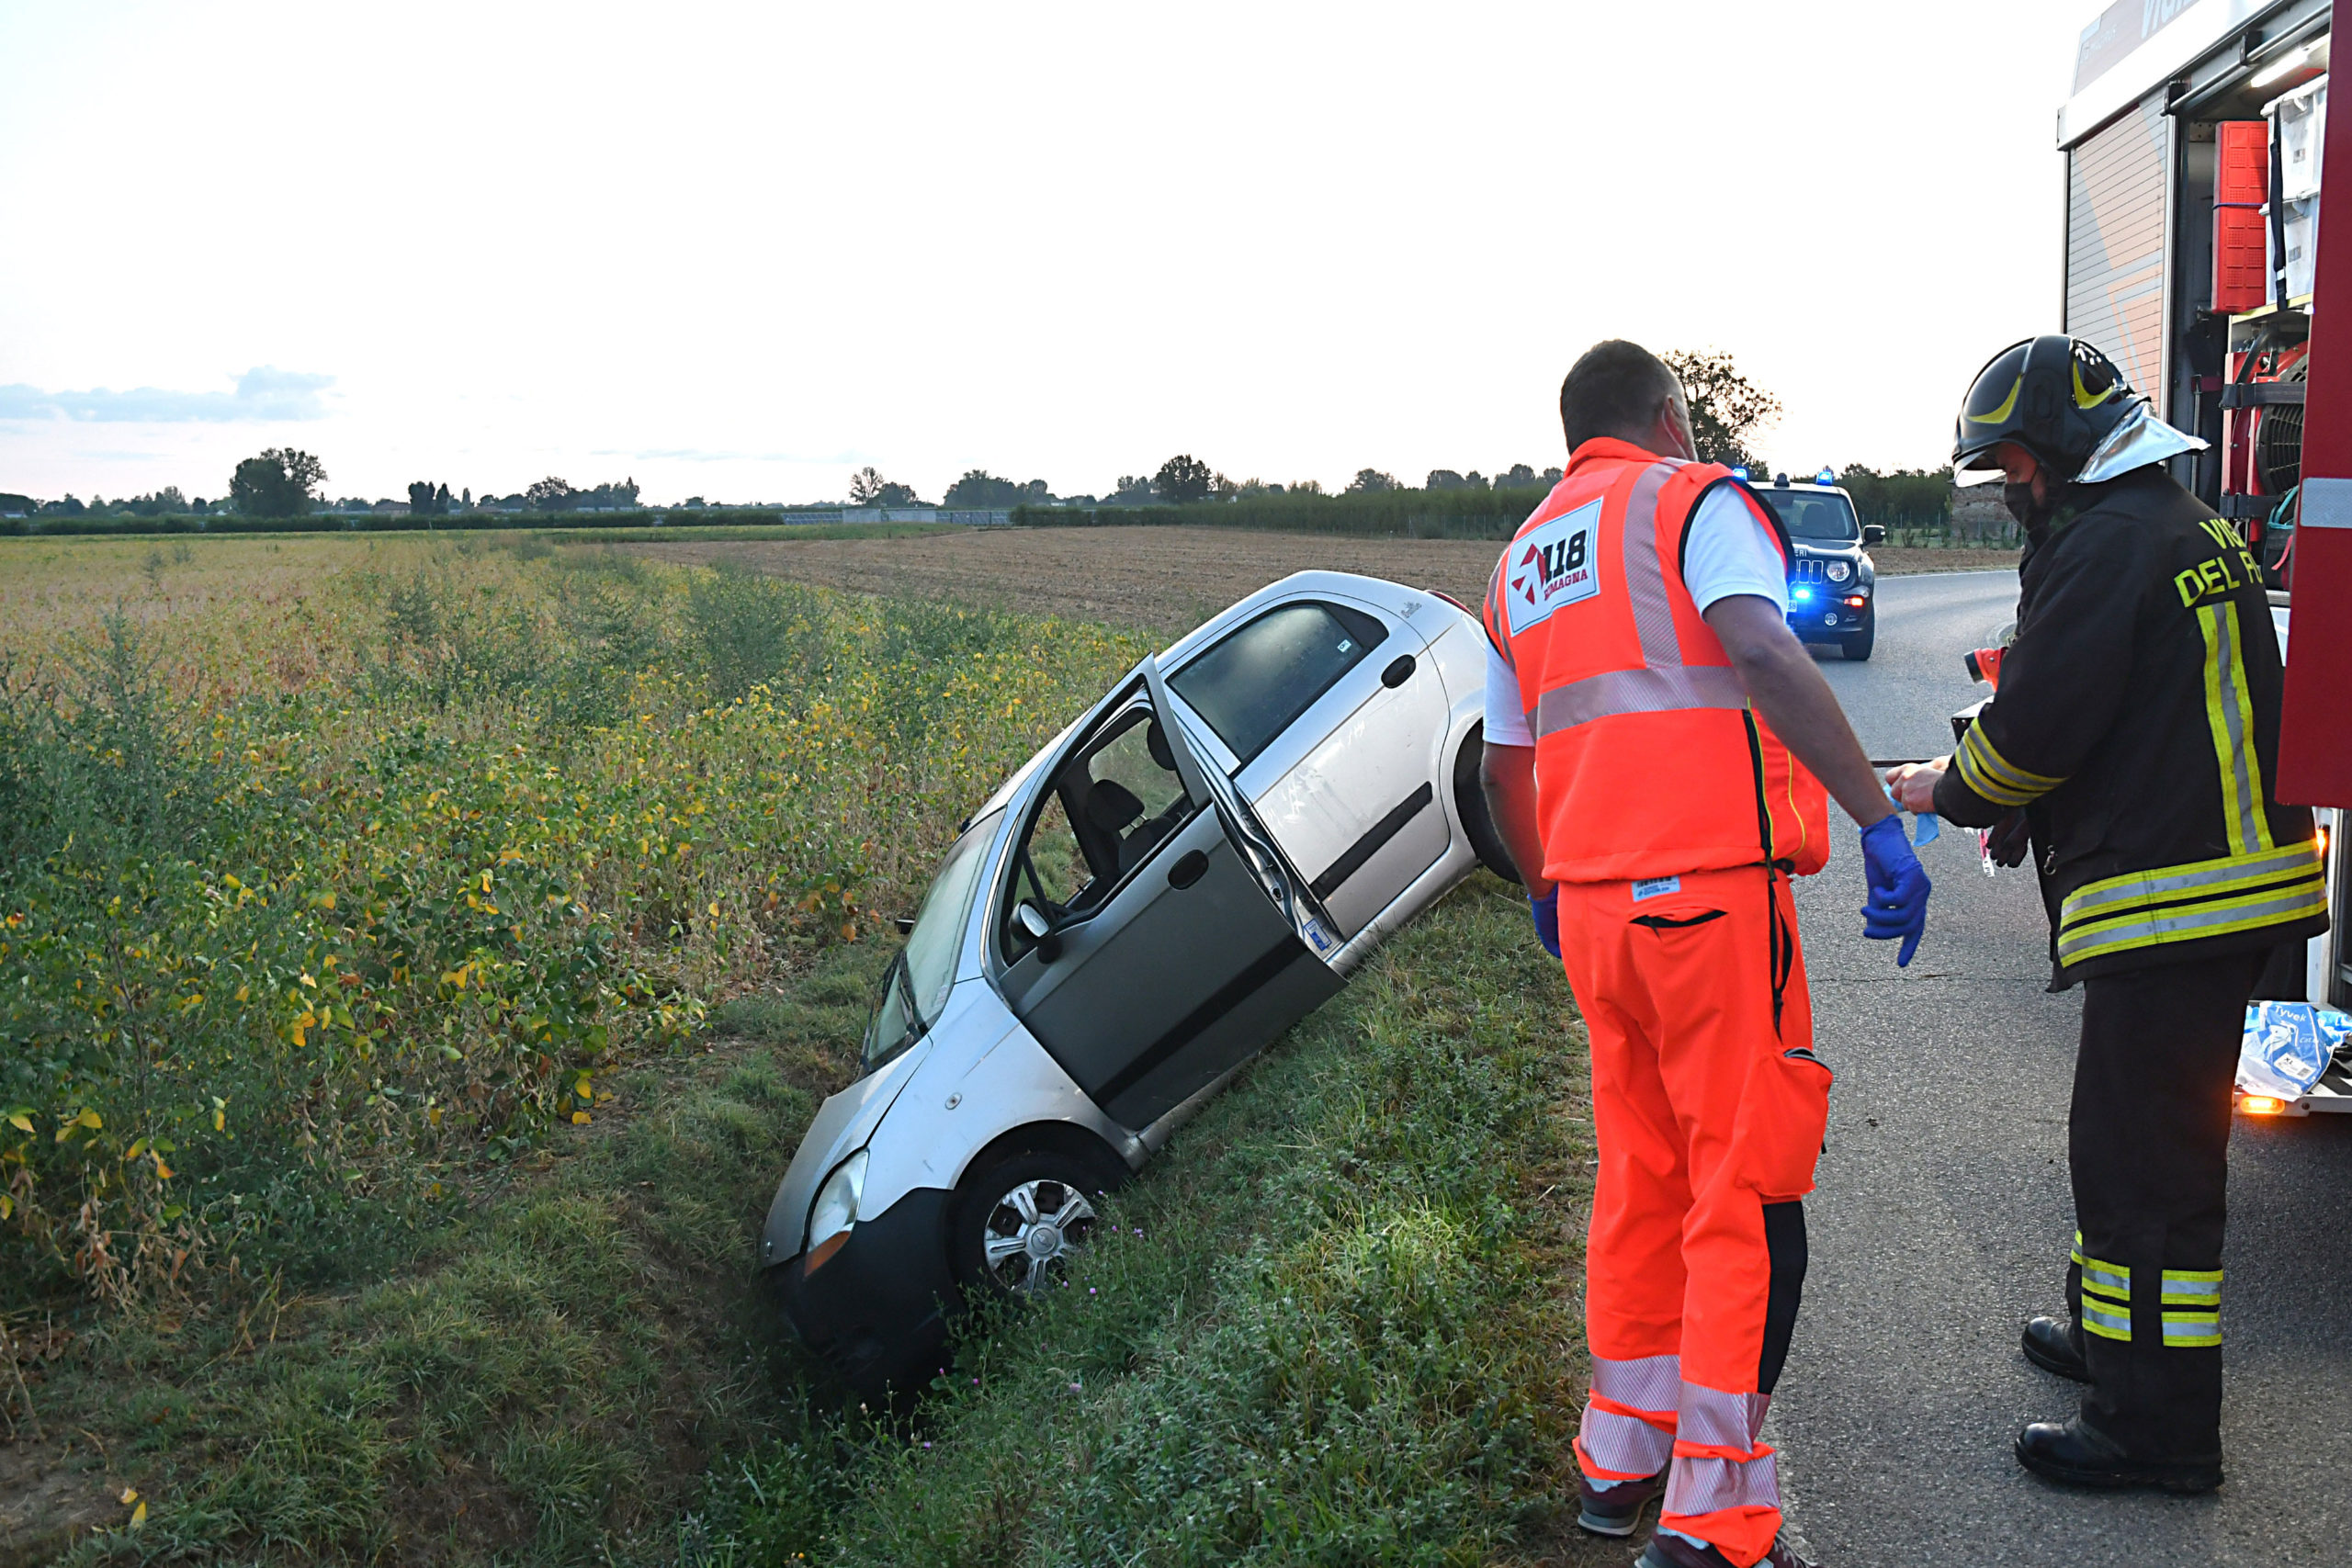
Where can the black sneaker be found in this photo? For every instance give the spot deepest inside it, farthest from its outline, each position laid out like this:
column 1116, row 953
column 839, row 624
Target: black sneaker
column 2049, row 1344
column 1673, row 1551
column 1615, row 1510
column 2078, row 1455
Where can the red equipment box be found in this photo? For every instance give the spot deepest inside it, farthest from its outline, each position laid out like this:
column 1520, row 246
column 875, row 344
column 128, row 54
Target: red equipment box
column 2241, row 184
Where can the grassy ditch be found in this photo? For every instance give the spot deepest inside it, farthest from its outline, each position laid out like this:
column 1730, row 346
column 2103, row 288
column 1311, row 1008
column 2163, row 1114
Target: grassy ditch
column 1336, row 1323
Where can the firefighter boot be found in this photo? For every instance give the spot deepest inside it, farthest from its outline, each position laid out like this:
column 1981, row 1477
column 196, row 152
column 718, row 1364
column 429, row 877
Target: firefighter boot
column 1615, row 1510
column 2052, row 1344
column 1667, row 1550
column 2081, row 1455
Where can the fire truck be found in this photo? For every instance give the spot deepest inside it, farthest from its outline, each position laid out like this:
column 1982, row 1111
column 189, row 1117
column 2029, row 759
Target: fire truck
column 2199, row 154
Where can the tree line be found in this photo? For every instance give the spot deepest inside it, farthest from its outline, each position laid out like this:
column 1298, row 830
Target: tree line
column 1729, row 412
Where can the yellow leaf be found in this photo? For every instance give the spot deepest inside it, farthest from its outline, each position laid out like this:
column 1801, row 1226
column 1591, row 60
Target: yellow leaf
column 297, row 1036
column 137, row 1148
column 21, row 1122
column 8, row 1205
column 308, row 981
column 130, row 1496
column 433, row 1117
column 243, row 992
column 138, row 1516
column 88, row 1118
column 580, row 1118
column 164, row 1171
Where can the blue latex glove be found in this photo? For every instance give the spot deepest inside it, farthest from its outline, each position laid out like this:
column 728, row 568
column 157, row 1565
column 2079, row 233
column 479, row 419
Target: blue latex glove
column 1548, row 919
column 1898, row 888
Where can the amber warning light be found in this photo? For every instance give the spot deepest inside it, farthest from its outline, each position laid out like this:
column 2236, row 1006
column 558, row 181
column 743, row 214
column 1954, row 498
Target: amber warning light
column 2261, row 1105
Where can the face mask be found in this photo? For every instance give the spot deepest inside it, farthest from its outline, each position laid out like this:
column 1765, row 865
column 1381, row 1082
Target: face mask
column 2029, row 514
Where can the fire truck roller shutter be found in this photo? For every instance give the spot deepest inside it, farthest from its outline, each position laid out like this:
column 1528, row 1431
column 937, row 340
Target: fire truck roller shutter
column 2115, row 243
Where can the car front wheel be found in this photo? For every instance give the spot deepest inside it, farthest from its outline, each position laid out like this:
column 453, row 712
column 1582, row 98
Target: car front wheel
column 1018, row 1222
column 1856, row 645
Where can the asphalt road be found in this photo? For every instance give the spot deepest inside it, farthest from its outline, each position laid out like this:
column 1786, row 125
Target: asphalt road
column 1942, row 1220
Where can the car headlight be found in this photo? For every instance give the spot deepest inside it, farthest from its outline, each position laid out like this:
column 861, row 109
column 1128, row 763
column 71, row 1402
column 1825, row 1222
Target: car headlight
column 834, row 1214
column 1839, row 571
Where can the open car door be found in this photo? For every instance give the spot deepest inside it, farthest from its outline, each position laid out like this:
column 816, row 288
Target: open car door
column 1148, row 944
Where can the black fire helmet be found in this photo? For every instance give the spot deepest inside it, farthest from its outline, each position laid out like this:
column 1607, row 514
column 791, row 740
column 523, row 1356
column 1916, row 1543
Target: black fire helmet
column 2055, row 396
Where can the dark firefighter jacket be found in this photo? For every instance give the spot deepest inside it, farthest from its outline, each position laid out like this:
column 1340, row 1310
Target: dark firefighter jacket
column 2137, row 725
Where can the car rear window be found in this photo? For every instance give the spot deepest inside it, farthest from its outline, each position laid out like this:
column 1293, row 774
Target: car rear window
column 1253, row 682
column 1811, row 515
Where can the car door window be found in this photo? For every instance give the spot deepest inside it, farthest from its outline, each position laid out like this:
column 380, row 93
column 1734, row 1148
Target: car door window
column 1253, row 682
column 1111, row 804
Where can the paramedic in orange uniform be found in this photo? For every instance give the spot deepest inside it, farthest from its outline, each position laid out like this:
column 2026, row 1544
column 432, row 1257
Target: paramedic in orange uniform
column 1657, row 742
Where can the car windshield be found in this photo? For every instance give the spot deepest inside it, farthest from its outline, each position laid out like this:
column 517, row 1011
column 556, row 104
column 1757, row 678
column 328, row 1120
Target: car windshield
column 916, row 986
column 1816, row 514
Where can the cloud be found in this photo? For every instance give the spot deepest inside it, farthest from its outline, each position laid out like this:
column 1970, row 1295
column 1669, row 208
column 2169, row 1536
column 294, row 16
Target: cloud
column 263, row 393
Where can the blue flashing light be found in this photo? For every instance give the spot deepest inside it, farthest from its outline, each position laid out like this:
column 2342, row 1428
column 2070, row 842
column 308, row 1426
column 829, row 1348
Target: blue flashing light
column 1739, row 473
column 1826, row 477
column 1801, row 594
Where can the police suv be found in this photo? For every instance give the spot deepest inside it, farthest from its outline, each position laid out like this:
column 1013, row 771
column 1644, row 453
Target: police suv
column 1832, row 584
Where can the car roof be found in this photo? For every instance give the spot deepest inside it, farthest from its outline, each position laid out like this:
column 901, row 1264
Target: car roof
column 1377, row 592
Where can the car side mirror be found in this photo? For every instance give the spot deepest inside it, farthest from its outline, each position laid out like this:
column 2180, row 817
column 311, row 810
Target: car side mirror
column 1873, row 533
column 1039, row 930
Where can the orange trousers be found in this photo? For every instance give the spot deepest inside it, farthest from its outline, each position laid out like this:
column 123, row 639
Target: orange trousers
column 1709, row 1108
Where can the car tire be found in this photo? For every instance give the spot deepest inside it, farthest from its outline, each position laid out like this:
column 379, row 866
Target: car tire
column 1857, row 645
column 1470, row 804
column 1020, row 1197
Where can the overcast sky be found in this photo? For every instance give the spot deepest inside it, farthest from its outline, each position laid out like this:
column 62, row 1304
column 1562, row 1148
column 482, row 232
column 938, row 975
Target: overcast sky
column 740, row 250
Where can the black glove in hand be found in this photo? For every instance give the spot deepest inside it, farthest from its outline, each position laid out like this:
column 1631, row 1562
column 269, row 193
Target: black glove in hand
column 2009, row 841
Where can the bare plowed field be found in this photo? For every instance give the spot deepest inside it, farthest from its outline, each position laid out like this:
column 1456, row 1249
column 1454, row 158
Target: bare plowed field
column 1167, row 579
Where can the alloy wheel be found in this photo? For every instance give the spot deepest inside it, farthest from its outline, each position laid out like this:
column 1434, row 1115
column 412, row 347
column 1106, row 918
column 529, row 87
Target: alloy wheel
column 1033, row 1231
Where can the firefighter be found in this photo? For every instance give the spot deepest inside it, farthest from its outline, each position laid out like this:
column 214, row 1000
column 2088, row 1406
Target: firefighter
column 2133, row 738
column 1655, row 735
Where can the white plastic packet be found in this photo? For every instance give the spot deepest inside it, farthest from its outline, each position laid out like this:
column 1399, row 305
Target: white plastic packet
column 2288, row 1046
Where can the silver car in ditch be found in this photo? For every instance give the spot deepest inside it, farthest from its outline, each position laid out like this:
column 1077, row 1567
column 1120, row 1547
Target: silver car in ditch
column 1193, row 865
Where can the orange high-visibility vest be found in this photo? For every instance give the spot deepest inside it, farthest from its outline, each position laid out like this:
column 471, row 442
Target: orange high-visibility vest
column 1648, row 761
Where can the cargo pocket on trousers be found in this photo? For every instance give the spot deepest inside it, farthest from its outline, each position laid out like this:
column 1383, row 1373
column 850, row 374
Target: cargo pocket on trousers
column 1783, row 1118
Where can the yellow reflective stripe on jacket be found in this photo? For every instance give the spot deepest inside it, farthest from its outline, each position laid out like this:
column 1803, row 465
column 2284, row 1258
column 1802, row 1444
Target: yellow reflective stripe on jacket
column 2229, row 713
column 2185, row 903
column 2187, row 1287
column 2192, row 1330
column 1985, row 770
column 2107, row 1321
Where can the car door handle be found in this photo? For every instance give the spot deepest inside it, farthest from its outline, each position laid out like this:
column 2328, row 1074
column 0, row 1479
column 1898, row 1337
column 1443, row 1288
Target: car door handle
column 1400, row 670
column 1188, row 869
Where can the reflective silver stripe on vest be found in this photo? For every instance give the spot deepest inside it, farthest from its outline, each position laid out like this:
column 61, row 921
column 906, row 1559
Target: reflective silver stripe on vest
column 1644, row 578
column 1665, row 684
column 1638, row 691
